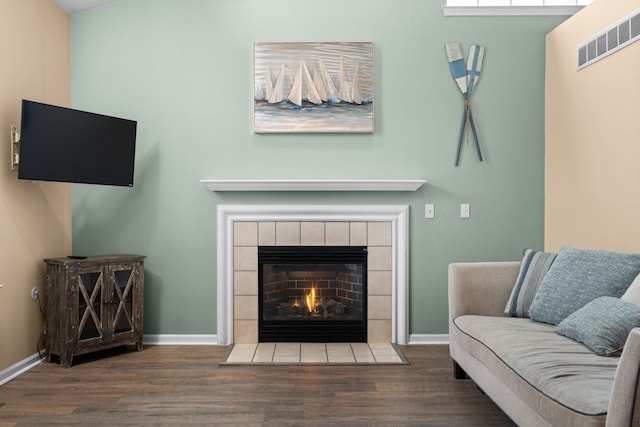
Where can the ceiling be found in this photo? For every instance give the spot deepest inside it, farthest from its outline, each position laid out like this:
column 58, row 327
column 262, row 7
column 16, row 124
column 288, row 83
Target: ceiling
column 73, row 6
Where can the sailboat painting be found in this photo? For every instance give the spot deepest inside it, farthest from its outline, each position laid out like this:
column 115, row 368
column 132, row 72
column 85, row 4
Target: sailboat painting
column 313, row 87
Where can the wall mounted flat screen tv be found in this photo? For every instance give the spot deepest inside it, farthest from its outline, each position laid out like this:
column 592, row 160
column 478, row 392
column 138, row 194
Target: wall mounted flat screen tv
column 66, row 145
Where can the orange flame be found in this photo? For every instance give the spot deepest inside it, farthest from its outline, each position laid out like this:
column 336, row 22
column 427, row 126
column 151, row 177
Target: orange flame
column 310, row 300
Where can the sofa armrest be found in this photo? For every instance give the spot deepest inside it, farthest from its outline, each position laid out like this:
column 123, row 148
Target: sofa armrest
column 624, row 405
column 480, row 288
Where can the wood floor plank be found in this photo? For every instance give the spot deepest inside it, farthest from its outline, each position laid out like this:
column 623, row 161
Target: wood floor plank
column 185, row 385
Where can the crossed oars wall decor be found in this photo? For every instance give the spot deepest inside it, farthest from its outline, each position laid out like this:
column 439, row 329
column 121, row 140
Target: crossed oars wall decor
column 466, row 77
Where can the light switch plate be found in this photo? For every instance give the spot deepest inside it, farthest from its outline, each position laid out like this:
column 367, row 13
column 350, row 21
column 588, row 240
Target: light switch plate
column 429, row 211
column 464, row 210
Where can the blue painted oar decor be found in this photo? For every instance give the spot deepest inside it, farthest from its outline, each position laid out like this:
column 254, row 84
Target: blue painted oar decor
column 466, row 77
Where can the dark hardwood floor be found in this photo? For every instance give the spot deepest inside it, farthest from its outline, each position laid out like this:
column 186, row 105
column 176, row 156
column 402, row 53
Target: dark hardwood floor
column 185, row 386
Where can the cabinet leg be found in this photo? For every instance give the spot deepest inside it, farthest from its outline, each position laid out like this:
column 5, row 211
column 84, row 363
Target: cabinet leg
column 66, row 360
column 139, row 346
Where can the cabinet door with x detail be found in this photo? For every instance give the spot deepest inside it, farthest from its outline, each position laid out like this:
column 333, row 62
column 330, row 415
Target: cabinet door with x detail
column 90, row 287
column 121, row 302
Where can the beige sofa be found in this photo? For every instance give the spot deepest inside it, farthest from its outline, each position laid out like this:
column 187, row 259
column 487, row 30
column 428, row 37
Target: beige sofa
column 537, row 377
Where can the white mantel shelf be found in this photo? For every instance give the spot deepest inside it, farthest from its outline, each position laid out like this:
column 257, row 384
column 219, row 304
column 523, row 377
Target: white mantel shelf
column 313, row 184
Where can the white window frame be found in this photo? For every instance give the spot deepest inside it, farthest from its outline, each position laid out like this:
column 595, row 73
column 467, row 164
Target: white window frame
column 513, row 7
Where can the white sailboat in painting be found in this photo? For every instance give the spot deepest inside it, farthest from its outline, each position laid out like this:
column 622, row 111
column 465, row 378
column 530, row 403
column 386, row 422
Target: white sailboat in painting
column 303, row 85
column 319, row 84
column 345, row 91
column 330, row 87
column 276, row 94
column 268, row 83
column 356, row 96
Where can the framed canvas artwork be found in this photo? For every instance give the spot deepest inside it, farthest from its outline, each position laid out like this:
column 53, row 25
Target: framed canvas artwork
column 309, row 87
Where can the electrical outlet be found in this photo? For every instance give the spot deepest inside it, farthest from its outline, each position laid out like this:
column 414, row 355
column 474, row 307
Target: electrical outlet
column 34, row 293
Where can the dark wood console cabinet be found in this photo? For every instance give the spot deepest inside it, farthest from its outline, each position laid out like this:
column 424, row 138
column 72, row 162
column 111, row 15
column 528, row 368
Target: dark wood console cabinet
column 93, row 304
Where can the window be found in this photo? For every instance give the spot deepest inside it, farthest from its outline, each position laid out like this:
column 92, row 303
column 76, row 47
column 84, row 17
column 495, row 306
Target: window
column 513, row 7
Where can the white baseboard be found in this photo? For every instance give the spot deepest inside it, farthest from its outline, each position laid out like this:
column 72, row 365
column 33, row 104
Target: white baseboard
column 422, row 339
column 19, row 368
column 168, row 339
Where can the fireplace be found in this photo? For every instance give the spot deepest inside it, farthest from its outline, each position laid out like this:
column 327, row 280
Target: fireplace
column 242, row 229
column 312, row 294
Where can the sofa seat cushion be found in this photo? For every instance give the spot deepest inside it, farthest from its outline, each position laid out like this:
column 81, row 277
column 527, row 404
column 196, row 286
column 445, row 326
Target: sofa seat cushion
column 555, row 375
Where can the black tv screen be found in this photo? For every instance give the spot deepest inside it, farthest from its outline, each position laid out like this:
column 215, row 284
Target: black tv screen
column 66, row 145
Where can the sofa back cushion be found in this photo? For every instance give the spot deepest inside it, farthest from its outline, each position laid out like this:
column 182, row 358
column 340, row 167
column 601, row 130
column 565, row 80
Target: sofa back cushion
column 533, row 268
column 577, row 277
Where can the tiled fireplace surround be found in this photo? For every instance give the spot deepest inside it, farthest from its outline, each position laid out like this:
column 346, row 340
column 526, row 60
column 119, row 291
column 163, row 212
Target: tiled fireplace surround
column 242, row 228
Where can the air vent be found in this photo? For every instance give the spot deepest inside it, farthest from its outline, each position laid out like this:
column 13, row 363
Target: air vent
column 614, row 38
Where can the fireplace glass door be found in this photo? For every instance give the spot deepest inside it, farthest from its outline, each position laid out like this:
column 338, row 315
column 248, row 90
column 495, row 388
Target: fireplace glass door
column 312, row 294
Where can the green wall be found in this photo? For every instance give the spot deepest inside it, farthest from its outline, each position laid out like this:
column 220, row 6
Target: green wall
column 184, row 71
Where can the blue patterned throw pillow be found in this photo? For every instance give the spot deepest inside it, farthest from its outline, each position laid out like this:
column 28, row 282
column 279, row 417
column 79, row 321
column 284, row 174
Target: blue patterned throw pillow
column 577, row 277
column 603, row 325
column 533, row 268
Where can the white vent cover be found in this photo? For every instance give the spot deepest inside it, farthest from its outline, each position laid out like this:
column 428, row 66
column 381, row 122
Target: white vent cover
column 614, row 38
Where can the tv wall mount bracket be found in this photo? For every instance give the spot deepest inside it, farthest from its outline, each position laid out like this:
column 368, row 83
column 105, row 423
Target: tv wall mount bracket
column 15, row 147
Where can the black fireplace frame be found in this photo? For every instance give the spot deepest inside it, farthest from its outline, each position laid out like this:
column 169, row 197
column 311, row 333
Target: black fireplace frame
column 317, row 330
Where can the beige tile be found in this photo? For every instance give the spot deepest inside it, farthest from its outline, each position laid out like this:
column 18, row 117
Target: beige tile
column 378, row 331
column 340, row 353
column 379, row 282
column 389, row 359
column 360, row 348
column 342, row 359
column 245, row 233
column 312, row 233
column 358, row 234
column 287, row 233
column 285, row 359
column 288, row 348
column 385, row 353
column 264, row 352
column 382, row 349
column 379, row 233
column 286, row 353
column 242, row 353
column 313, row 353
column 339, row 349
column 267, row 233
column 379, row 307
column 245, row 331
column 245, row 258
column 362, row 353
column 314, row 358
column 379, row 258
column 365, row 358
column 313, row 347
column 337, row 234
column 245, row 307
column 245, row 283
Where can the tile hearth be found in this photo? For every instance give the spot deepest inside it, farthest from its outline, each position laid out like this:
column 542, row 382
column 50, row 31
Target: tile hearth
column 314, row 353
